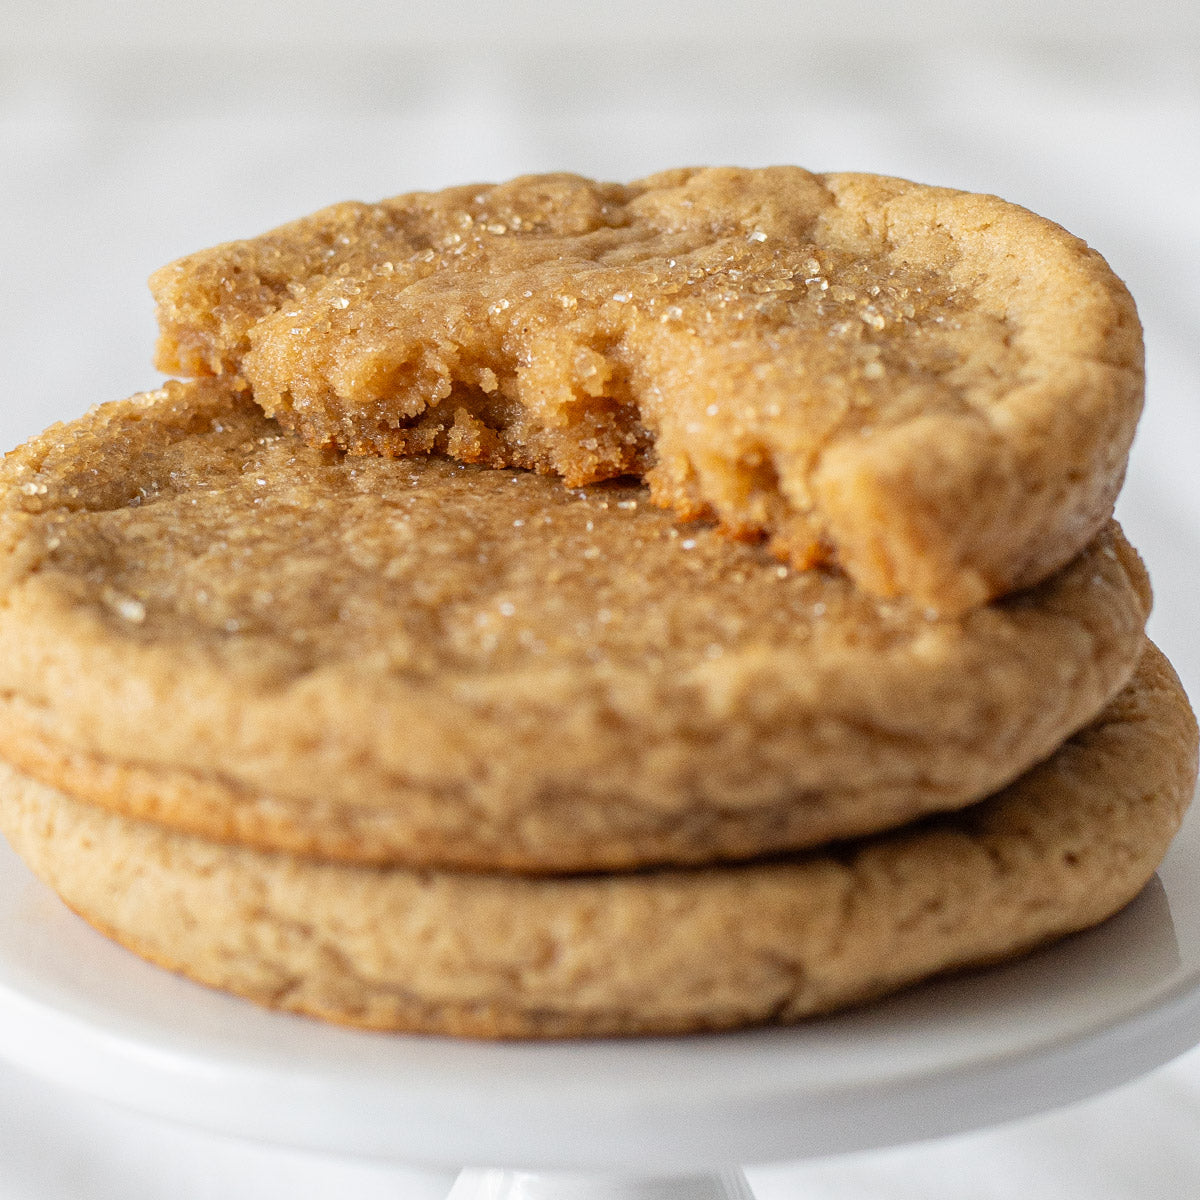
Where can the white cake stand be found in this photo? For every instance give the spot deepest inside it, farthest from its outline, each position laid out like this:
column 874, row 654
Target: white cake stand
column 660, row 1119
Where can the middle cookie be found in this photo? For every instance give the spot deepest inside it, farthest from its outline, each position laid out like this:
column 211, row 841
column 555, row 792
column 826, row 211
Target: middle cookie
column 206, row 623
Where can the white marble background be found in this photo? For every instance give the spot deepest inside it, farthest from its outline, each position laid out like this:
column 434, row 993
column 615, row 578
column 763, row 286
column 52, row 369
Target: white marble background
column 132, row 132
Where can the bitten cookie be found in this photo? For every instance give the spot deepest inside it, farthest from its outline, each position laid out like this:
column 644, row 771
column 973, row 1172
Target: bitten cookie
column 935, row 390
column 661, row 951
column 207, row 623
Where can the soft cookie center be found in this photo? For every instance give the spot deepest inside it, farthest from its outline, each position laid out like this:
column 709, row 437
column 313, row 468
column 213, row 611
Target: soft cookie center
column 721, row 368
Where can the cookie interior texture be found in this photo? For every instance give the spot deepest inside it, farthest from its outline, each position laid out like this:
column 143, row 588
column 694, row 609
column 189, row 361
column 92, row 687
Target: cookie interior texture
column 206, row 622
column 844, row 364
column 664, row 951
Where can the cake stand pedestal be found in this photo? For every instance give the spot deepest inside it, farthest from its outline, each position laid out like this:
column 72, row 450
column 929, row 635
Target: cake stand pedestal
column 641, row 1119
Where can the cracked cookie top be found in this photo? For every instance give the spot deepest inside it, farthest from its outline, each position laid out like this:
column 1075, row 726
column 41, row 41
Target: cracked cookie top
column 933, row 390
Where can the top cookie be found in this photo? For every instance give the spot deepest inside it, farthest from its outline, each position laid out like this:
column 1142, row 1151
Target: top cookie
column 933, row 389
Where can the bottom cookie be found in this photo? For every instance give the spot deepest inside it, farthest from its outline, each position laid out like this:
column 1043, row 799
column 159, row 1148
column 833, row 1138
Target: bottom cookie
column 663, row 951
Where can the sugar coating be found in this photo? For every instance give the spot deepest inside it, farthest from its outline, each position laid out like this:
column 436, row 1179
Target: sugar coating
column 935, row 390
column 665, row 951
column 206, row 621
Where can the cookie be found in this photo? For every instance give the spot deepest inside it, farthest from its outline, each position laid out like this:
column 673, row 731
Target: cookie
column 666, row 951
column 207, row 623
column 932, row 389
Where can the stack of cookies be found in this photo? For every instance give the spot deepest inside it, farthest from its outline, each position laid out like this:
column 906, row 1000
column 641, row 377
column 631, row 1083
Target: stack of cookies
column 561, row 608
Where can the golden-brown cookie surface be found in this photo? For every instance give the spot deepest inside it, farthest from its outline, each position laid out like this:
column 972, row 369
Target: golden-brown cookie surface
column 934, row 389
column 653, row 952
column 206, row 622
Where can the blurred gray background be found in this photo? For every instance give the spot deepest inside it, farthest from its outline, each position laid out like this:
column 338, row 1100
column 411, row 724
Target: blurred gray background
column 132, row 133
